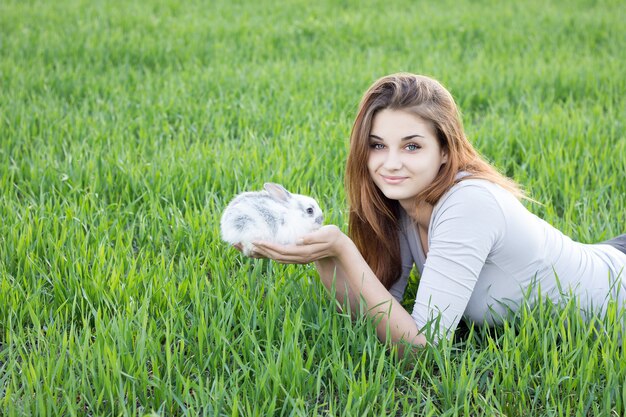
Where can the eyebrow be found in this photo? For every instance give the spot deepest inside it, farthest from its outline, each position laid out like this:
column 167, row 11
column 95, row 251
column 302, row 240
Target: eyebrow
column 403, row 139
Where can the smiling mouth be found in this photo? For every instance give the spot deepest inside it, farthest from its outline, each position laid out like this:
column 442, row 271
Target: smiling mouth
column 393, row 179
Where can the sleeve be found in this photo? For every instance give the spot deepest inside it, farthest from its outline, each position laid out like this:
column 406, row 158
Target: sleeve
column 464, row 231
column 397, row 289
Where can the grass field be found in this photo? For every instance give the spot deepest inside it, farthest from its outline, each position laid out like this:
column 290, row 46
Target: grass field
column 126, row 127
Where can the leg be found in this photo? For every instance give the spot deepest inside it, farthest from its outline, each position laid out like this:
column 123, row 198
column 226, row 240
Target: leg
column 618, row 243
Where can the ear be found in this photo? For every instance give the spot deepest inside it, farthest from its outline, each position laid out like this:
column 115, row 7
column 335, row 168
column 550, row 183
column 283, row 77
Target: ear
column 277, row 191
column 444, row 156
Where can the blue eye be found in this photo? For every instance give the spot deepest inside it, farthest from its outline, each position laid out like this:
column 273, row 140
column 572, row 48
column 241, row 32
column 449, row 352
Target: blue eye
column 412, row 147
column 377, row 146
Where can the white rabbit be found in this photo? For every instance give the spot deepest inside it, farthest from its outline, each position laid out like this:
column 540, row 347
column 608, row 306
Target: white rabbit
column 273, row 215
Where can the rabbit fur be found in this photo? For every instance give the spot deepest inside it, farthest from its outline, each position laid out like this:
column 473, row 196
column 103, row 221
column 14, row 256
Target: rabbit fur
column 273, row 215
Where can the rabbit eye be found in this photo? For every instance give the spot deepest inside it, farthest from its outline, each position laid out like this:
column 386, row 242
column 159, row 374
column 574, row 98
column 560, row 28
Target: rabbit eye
column 309, row 211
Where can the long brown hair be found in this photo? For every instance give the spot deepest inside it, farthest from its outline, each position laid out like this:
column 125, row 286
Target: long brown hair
column 373, row 218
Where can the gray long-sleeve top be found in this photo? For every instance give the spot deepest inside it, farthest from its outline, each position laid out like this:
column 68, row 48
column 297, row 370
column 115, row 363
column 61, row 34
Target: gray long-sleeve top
column 487, row 251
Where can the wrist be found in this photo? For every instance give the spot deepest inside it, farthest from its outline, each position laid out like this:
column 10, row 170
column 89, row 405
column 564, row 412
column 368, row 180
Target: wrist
column 343, row 246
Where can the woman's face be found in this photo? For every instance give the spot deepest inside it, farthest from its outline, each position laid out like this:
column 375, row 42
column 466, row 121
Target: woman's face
column 405, row 155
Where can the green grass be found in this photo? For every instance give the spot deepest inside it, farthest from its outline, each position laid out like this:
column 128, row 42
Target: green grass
column 126, row 127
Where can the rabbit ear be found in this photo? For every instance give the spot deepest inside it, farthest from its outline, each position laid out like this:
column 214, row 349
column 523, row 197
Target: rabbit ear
column 277, row 191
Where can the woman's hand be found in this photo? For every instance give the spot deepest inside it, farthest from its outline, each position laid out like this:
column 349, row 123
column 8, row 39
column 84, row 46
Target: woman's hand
column 323, row 243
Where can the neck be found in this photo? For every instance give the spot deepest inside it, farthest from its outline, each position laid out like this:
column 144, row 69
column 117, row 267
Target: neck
column 419, row 211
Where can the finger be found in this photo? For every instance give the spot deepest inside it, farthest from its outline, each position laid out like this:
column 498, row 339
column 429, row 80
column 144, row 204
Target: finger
column 291, row 253
column 311, row 238
column 276, row 248
column 268, row 250
column 323, row 235
column 270, row 246
column 258, row 253
column 255, row 254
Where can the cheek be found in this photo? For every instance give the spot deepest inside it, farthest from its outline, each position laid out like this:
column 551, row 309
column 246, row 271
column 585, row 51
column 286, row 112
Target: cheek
column 371, row 162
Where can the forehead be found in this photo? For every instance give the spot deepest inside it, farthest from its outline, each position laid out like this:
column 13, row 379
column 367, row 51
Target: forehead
column 401, row 123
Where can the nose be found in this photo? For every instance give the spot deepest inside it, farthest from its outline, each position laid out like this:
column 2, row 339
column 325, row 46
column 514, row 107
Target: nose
column 392, row 161
column 319, row 219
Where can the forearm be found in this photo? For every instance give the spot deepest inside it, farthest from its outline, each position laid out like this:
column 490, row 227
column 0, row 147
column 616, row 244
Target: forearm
column 343, row 270
column 353, row 276
column 334, row 279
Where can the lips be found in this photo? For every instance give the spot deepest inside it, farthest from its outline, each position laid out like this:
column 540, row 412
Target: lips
column 392, row 179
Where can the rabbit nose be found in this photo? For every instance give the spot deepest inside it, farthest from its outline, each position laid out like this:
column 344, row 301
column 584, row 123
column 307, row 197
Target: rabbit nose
column 319, row 219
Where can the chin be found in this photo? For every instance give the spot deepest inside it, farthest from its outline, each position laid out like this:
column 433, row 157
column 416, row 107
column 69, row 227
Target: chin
column 397, row 196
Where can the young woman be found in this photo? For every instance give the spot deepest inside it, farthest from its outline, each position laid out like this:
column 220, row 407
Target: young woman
column 420, row 195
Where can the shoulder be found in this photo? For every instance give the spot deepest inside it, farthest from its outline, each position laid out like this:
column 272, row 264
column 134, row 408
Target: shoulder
column 474, row 193
column 472, row 203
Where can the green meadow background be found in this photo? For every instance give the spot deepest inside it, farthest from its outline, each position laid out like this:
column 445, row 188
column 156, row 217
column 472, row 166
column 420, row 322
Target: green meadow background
column 127, row 126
